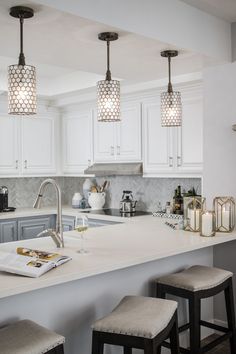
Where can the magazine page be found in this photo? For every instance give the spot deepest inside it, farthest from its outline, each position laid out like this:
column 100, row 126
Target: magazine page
column 56, row 258
column 28, row 266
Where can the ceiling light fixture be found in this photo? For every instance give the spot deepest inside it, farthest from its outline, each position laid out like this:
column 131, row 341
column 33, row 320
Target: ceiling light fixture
column 108, row 90
column 171, row 107
column 21, row 77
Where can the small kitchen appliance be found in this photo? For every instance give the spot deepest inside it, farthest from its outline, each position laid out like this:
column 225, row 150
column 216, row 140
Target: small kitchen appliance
column 128, row 204
column 4, row 200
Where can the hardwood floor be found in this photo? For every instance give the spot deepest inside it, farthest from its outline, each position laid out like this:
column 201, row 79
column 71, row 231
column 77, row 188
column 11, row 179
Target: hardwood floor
column 223, row 348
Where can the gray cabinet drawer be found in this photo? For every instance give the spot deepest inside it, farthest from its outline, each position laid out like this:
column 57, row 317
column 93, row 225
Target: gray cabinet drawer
column 8, row 231
column 68, row 223
column 30, row 228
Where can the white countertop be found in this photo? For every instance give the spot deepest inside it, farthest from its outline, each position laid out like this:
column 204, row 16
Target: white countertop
column 136, row 241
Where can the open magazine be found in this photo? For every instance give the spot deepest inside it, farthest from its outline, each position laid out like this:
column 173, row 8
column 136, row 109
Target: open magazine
column 30, row 263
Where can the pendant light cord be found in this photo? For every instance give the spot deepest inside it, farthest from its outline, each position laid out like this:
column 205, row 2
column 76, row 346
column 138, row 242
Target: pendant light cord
column 21, row 56
column 108, row 73
column 170, row 89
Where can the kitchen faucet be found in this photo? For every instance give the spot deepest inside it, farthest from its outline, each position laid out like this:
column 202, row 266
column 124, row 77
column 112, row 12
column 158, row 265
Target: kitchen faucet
column 57, row 234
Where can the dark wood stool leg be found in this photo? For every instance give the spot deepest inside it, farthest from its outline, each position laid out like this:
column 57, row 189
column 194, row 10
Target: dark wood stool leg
column 127, row 350
column 159, row 292
column 97, row 346
column 149, row 347
column 194, row 317
column 174, row 337
column 229, row 301
column 158, row 351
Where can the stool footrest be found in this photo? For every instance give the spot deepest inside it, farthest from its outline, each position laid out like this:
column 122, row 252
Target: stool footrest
column 214, row 326
column 216, row 342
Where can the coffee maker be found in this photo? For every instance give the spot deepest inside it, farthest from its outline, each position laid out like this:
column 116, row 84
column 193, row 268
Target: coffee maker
column 3, row 198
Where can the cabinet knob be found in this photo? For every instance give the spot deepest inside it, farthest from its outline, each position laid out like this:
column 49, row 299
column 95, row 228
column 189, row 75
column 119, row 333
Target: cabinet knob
column 170, row 161
column 112, row 150
column 179, row 161
column 118, row 149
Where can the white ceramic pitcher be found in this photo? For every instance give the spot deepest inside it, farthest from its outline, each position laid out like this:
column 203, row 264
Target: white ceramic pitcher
column 96, row 200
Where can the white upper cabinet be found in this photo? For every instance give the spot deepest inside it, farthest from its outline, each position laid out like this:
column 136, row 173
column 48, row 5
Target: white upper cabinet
column 158, row 142
column 119, row 141
column 190, row 137
column 77, row 141
column 128, row 133
column 9, row 145
column 104, row 140
column 38, row 151
column 174, row 151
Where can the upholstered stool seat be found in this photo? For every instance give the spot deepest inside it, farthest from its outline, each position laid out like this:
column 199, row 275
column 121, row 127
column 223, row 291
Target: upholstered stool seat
column 138, row 322
column 194, row 284
column 138, row 316
column 27, row 337
column 196, row 278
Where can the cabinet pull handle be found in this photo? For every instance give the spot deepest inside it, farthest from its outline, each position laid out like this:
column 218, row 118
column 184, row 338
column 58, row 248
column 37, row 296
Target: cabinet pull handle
column 179, row 162
column 118, row 149
column 170, row 161
column 112, row 150
column 17, row 164
column 25, row 162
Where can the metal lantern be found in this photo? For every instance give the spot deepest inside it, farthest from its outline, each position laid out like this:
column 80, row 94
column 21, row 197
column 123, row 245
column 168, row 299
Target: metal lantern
column 193, row 207
column 171, row 106
column 108, row 90
column 207, row 223
column 224, row 208
column 21, row 77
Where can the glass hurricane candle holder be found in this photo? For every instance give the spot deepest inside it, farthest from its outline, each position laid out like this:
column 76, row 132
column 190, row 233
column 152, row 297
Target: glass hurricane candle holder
column 207, row 223
column 224, row 208
column 193, row 206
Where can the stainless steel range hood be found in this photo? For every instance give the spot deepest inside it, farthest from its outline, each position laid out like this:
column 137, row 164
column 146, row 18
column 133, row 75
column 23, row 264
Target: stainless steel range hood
column 115, row 169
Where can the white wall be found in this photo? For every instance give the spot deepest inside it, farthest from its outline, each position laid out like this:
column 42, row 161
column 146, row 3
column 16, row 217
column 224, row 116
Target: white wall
column 219, row 172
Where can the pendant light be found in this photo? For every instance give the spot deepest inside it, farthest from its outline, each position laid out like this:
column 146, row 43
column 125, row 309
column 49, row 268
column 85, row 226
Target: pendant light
column 21, row 77
column 108, row 90
column 171, row 107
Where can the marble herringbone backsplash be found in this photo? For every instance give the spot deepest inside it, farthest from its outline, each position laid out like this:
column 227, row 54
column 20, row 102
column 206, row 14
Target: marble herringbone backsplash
column 148, row 191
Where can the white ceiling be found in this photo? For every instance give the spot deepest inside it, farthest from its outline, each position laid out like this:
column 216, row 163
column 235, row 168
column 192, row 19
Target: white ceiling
column 69, row 57
column 225, row 9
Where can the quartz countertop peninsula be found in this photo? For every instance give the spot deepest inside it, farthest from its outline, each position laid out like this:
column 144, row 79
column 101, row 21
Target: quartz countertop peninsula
column 135, row 241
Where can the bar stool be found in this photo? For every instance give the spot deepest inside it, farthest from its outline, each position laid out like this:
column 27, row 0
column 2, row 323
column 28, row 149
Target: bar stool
column 27, row 337
column 194, row 284
column 138, row 322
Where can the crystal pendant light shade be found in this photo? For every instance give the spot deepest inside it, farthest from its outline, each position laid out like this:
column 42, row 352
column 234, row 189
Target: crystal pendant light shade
column 21, row 89
column 21, row 77
column 108, row 90
column 171, row 106
column 171, row 109
column 108, row 93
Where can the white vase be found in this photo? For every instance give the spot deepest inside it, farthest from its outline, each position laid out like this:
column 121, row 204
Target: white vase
column 96, row 200
column 87, row 185
column 77, row 197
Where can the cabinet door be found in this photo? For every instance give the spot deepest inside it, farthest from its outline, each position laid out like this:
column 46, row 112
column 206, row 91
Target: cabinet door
column 104, row 141
column 128, row 142
column 190, row 138
column 9, row 146
column 30, row 228
column 77, row 142
column 68, row 223
column 8, row 231
column 158, row 142
column 38, row 139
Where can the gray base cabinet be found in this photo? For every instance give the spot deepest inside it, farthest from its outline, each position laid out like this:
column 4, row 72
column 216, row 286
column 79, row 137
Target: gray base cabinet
column 30, row 228
column 8, row 231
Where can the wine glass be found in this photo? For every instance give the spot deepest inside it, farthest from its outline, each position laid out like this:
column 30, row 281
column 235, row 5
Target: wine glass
column 81, row 225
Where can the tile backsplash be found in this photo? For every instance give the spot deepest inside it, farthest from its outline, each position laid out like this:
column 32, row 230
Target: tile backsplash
column 148, row 191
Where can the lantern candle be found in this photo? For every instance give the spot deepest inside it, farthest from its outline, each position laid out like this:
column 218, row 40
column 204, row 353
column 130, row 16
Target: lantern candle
column 224, row 208
column 207, row 224
column 193, row 206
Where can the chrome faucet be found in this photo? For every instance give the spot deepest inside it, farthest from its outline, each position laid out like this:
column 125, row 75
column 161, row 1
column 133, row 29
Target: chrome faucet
column 57, row 234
